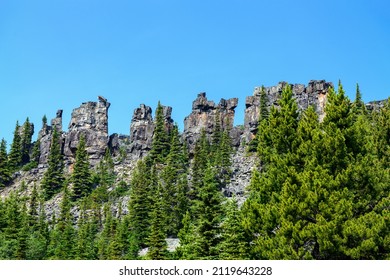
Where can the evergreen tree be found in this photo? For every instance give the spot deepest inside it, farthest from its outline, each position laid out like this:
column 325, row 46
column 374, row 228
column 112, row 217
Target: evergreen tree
column 208, row 214
column 126, row 244
column 222, row 160
column 139, row 204
column 263, row 116
column 160, row 143
column 381, row 134
column 108, row 247
column 263, row 105
column 104, row 178
column 338, row 109
column 5, row 174
column 106, row 175
column 26, row 141
column 216, row 136
column 156, row 240
column 23, row 234
column 12, row 224
column 279, row 131
column 81, row 176
column 85, row 247
column 15, row 155
column 189, row 243
column 174, row 190
column 38, row 239
column 35, row 155
column 44, row 121
column 63, row 236
column 199, row 164
column 177, row 158
column 53, row 178
column 358, row 105
column 233, row 245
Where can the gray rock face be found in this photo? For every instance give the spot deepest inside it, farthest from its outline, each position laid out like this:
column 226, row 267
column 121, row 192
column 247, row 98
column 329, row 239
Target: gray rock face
column 141, row 130
column 91, row 120
column 57, row 121
column 119, row 143
column 203, row 116
column 242, row 167
column 168, row 121
column 315, row 93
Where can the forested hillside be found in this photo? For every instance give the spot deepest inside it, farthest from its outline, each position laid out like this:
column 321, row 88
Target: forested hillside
column 319, row 189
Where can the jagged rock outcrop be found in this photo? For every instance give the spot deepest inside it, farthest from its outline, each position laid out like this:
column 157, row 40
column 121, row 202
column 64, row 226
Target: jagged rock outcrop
column 57, row 121
column 168, row 121
column 91, row 120
column 315, row 93
column 203, row 116
column 141, row 130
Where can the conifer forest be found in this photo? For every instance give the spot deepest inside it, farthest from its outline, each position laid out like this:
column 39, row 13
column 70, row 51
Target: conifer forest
column 319, row 188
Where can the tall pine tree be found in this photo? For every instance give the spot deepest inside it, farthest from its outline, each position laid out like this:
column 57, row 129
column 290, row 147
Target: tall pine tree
column 81, row 176
column 15, row 155
column 53, row 178
column 5, row 173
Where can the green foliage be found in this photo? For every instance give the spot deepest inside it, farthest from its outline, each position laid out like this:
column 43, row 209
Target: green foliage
column 44, row 121
column 233, row 245
column 53, row 178
column 263, row 117
column 85, row 245
column 322, row 189
column 26, row 142
column 156, row 240
column 358, row 106
column 160, row 143
column 5, row 173
column 139, row 204
column 34, row 160
column 204, row 229
column 63, row 236
column 15, row 155
column 199, row 164
column 81, row 176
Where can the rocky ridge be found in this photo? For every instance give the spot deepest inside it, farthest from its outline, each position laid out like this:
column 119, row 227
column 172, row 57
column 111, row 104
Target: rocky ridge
column 91, row 120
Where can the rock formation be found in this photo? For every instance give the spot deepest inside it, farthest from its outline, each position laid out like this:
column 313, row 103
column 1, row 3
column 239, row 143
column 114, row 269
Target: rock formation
column 141, row 130
column 203, row 117
column 91, row 120
column 315, row 93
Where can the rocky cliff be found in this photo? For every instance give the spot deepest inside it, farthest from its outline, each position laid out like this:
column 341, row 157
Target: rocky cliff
column 90, row 120
column 204, row 115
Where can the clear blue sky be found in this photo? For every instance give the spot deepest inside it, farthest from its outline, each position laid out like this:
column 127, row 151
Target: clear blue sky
column 59, row 53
